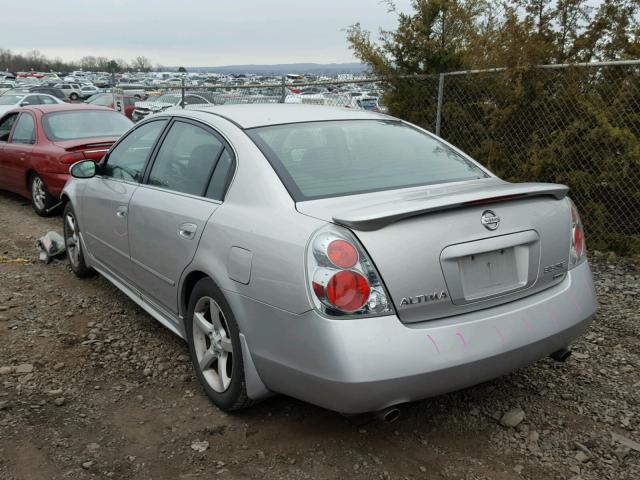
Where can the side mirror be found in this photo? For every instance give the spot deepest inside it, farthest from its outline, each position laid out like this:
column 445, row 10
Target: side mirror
column 83, row 169
column 24, row 104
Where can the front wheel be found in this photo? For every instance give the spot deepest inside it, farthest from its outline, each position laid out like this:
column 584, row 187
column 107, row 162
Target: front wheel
column 42, row 201
column 73, row 244
column 214, row 344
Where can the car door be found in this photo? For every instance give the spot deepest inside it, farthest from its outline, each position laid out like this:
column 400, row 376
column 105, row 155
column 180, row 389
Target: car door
column 105, row 199
column 16, row 153
column 6, row 126
column 167, row 213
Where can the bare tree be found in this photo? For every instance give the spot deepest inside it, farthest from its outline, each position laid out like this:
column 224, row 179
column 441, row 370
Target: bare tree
column 141, row 64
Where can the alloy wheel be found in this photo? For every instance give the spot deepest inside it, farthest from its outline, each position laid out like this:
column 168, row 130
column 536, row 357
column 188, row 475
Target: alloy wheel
column 72, row 240
column 38, row 193
column 212, row 343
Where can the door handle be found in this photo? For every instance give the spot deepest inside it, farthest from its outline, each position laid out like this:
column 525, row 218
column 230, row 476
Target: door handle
column 187, row 230
column 121, row 212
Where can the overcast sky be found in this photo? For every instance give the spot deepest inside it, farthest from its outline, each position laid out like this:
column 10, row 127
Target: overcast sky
column 191, row 32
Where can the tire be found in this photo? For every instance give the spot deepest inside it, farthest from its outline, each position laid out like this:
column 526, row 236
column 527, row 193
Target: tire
column 214, row 346
column 74, row 97
column 41, row 200
column 73, row 245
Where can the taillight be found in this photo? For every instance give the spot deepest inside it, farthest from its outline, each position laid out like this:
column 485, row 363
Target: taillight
column 578, row 250
column 342, row 254
column 342, row 278
column 71, row 158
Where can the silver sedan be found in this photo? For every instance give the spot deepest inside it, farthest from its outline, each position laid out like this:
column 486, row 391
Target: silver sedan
column 342, row 257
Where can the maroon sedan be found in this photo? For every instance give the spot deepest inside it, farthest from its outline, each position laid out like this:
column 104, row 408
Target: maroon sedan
column 39, row 143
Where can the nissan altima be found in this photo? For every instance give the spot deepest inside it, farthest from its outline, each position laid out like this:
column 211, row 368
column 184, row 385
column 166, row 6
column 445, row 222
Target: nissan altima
column 339, row 256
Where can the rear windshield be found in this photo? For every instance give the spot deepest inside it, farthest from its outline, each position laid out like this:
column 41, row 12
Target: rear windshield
column 335, row 158
column 84, row 124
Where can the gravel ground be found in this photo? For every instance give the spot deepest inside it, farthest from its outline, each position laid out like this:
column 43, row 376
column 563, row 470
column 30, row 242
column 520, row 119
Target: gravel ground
column 92, row 387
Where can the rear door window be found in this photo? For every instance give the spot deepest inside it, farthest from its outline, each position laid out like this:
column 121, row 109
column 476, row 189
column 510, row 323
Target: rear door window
column 221, row 177
column 25, row 132
column 186, row 159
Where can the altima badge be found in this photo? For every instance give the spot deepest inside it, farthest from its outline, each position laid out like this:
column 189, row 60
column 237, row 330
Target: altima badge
column 490, row 220
column 428, row 297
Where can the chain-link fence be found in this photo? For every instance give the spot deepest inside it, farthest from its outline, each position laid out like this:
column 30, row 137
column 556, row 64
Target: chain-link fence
column 572, row 124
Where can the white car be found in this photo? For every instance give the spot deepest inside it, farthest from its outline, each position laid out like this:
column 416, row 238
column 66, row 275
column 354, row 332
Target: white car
column 365, row 102
column 6, row 86
column 10, row 100
column 70, row 90
column 159, row 104
column 88, row 91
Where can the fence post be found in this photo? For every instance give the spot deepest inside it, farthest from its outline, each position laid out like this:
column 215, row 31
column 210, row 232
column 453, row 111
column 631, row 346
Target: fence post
column 439, row 110
column 182, row 91
column 283, row 91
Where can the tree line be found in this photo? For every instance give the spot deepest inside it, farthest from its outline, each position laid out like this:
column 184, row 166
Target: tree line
column 38, row 62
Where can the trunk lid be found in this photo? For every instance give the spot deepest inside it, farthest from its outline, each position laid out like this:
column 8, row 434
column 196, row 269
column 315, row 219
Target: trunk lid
column 455, row 248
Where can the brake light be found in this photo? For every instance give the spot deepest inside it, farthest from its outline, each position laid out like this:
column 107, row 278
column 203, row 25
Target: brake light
column 342, row 278
column 578, row 249
column 71, row 158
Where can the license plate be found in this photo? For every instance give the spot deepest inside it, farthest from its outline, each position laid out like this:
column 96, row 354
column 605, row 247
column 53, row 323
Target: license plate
column 490, row 273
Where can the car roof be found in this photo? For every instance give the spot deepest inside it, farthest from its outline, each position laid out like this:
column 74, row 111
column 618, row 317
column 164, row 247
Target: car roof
column 262, row 115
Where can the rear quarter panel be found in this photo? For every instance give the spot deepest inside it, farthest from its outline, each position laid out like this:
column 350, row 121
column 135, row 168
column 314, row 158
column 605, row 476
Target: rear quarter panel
column 258, row 216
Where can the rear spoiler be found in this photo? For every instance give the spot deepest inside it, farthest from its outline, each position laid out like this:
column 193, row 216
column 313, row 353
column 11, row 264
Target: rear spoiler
column 366, row 219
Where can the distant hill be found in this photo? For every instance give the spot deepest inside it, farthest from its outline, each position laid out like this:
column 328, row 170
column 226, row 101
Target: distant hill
column 283, row 69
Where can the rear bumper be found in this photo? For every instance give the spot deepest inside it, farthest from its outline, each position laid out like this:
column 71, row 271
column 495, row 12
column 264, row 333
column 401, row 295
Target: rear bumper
column 55, row 182
column 354, row 366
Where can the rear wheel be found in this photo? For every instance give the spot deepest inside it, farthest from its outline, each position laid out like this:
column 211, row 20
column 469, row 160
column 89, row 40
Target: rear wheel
column 74, row 96
column 41, row 200
column 214, row 344
column 73, row 244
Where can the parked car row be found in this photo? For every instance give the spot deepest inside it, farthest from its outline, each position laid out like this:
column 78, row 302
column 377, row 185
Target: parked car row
column 286, row 245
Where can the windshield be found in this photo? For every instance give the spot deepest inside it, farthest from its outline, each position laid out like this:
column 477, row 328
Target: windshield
column 166, row 99
column 10, row 99
column 102, row 100
column 84, row 124
column 330, row 159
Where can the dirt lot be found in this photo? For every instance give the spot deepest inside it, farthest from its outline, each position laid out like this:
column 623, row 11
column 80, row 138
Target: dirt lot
column 92, row 387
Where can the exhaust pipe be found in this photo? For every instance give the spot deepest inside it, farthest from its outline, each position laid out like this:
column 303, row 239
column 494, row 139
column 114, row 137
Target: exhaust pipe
column 561, row 355
column 389, row 414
